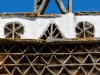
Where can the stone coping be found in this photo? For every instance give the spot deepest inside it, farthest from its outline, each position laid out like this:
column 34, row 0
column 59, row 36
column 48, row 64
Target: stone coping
column 29, row 14
column 32, row 14
column 87, row 13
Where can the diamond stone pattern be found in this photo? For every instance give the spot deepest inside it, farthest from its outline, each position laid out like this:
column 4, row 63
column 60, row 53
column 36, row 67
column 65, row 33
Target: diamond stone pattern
column 66, row 59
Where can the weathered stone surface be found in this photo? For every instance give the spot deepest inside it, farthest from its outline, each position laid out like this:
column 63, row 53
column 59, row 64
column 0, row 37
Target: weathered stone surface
column 53, row 59
column 69, row 43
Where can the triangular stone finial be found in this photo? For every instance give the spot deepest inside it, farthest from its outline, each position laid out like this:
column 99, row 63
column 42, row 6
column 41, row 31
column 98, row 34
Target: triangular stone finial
column 41, row 5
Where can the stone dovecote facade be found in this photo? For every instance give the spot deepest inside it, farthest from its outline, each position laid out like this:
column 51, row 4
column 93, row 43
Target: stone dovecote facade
column 35, row 43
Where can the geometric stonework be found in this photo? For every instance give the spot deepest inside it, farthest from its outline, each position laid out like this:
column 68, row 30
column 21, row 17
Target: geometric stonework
column 49, row 59
column 52, row 32
column 13, row 30
column 51, row 53
column 85, row 30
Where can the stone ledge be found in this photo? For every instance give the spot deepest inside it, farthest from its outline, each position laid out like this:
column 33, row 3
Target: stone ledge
column 72, row 40
column 88, row 13
column 51, row 41
column 30, row 14
column 28, row 41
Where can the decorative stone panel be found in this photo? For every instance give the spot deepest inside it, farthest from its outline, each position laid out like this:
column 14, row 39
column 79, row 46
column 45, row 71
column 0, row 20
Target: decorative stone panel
column 85, row 30
column 13, row 30
column 49, row 59
column 52, row 32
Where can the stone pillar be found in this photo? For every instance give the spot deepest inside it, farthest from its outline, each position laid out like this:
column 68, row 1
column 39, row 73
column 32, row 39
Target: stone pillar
column 70, row 5
column 35, row 6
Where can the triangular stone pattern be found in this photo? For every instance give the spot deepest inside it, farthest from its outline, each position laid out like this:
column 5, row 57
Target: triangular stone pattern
column 50, row 59
column 52, row 32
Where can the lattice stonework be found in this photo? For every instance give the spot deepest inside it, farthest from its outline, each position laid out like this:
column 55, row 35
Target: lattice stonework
column 13, row 30
column 52, row 32
column 47, row 59
column 85, row 30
